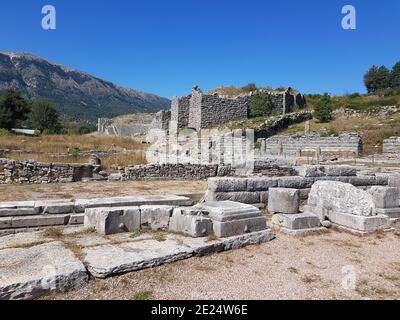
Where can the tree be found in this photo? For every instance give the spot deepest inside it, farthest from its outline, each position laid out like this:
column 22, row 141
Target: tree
column 377, row 79
column 323, row 109
column 45, row 117
column 395, row 76
column 260, row 105
column 13, row 109
column 249, row 87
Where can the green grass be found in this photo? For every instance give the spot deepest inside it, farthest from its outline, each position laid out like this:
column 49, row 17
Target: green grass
column 145, row 295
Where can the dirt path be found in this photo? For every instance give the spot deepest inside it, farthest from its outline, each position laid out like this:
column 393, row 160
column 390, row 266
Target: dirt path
column 311, row 267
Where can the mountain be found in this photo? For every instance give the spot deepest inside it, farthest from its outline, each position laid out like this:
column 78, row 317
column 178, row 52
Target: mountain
column 78, row 95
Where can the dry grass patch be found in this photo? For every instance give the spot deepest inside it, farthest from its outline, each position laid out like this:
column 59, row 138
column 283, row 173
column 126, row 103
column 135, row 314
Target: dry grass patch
column 293, row 270
column 65, row 143
column 159, row 236
column 54, row 233
column 310, row 278
column 25, row 245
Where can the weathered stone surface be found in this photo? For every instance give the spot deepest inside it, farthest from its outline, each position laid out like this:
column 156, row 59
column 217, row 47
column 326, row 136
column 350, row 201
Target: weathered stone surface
column 241, row 196
column 55, row 206
column 190, row 222
column 155, row 217
column 385, row 197
column 238, row 227
column 296, row 221
column 27, row 273
column 392, row 213
column 18, row 212
column 107, row 260
column 340, row 171
column 232, row 218
column 363, row 181
column 33, row 221
column 328, row 196
column 228, row 210
column 227, row 184
column 112, row 220
column 77, row 219
column 295, row 182
column 360, row 223
column 283, row 200
column 170, row 200
column 261, row 184
column 310, row 171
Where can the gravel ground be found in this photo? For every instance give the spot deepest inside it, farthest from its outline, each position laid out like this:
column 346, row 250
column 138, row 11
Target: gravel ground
column 94, row 189
column 313, row 267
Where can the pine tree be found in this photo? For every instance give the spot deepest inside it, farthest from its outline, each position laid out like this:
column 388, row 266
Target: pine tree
column 13, row 109
column 395, row 76
column 323, row 109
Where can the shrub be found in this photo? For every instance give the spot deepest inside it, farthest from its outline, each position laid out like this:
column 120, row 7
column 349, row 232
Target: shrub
column 45, row 117
column 323, row 109
column 260, row 105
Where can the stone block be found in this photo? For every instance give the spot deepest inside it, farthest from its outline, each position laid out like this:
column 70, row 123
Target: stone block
column 261, row 184
column 360, row 223
column 392, row 213
column 77, row 219
column 296, row 221
column 329, row 196
column 232, row 218
column 227, row 184
column 28, row 273
column 238, row 227
column 155, row 217
column 190, row 223
column 310, row 171
column 385, row 197
column 283, row 200
column 241, row 196
column 340, row 171
column 295, row 182
column 18, row 212
column 39, row 221
column 112, row 220
column 363, row 181
column 227, row 210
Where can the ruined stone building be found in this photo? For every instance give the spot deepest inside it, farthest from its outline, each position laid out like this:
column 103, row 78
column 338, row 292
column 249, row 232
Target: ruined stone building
column 204, row 111
column 200, row 110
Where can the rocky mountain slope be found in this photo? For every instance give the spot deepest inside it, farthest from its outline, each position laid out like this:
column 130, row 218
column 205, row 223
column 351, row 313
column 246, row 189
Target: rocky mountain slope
column 77, row 94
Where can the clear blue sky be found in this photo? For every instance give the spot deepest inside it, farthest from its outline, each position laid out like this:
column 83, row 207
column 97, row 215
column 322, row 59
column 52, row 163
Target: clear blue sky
column 166, row 47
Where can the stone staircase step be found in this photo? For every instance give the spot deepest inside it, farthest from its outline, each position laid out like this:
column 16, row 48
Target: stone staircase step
column 40, row 221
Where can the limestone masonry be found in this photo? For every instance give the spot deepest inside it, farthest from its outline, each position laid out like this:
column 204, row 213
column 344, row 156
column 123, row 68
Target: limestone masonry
column 200, row 110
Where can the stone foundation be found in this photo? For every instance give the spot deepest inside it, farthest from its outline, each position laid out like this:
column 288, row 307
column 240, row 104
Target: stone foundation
column 12, row 171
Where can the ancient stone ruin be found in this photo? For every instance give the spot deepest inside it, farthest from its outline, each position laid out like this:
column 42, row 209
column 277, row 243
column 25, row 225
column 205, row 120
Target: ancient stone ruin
column 202, row 111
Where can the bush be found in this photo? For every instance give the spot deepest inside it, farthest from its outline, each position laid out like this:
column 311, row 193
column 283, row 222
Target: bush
column 260, row 105
column 323, row 109
column 45, row 117
column 5, row 133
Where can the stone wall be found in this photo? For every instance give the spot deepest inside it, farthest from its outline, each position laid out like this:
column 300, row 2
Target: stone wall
column 391, row 146
column 31, row 172
column 346, row 144
column 180, row 111
column 161, row 120
column 254, row 190
column 204, row 111
column 192, row 171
